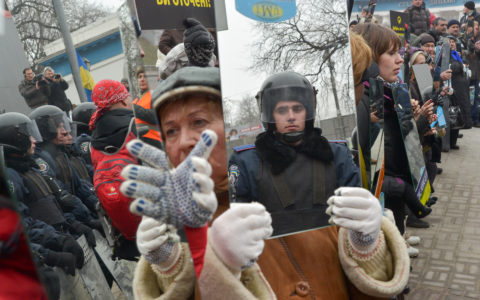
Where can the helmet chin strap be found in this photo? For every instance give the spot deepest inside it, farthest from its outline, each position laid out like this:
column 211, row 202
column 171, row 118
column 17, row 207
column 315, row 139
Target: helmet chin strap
column 291, row 137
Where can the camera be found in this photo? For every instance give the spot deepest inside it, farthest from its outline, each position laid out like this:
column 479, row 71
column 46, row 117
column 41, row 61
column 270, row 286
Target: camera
column 57, row 76
column 40, row 79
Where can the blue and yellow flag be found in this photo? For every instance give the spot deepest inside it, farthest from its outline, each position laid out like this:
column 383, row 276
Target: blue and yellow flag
column 87, row 80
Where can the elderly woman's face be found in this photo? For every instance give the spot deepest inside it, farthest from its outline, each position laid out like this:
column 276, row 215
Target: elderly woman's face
column 182, row 124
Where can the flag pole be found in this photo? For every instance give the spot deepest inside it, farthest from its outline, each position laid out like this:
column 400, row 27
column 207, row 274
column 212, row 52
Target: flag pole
column 69, row 49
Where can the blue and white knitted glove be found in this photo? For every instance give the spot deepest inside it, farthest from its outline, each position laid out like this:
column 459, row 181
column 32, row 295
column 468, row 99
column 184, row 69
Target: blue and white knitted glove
column 359, row 211
column 181, row 196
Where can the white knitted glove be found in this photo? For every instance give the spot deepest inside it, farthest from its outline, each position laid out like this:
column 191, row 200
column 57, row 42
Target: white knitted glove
column 359, row 211
column 158, row 243
column 237, row 236
column 181, row 196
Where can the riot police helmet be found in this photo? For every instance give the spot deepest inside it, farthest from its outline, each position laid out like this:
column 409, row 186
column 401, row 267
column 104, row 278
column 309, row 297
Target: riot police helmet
column 49, row 120
column 17, row 131
column 288, row 87
column 81, row 116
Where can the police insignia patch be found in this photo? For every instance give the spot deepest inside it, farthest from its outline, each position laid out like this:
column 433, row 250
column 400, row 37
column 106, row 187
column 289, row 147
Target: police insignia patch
column 84, row 146
column 11, row 186
column 42, row 165
column 233, row 173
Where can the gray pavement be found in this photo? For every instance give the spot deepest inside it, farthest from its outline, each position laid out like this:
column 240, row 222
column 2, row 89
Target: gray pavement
column 448, row 266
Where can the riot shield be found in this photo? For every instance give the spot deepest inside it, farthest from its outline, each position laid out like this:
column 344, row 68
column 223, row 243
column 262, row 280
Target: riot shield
column 412, row 144
column 264, row 40
column 121, row 270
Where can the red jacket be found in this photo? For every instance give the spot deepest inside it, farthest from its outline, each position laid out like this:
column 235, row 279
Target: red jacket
column 18, row 274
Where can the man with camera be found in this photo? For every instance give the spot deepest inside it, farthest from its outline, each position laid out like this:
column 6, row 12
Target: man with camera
column 57, row 87
column 35, row 89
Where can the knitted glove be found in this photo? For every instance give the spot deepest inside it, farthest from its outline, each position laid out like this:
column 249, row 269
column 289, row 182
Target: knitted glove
column 183, row 195
column 359, row 211
column 71, row 246
column 237, row 236
column 158, row 243
column 63, row 260
column 199, row 43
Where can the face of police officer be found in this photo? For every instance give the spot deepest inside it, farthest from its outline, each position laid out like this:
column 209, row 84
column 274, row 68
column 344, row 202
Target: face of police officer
column 29, row 75
column 68, row 138
column 182, row 124
column 289, row 116
column 31, row 151
column 61, row 133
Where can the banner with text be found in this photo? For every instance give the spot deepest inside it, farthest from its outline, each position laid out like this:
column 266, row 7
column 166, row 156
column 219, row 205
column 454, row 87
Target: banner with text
column 169, row 14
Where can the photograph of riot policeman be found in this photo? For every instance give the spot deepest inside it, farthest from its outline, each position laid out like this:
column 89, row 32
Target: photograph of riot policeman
column 292, row 169
column 53, row 160
column 51, row 230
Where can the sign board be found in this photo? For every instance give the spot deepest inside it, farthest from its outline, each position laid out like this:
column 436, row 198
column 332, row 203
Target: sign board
column 398, row 21
column 169, row 14
column 268, row 11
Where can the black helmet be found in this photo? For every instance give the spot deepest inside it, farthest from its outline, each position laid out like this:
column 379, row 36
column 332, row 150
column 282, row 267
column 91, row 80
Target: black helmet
column 286, row 86
column 81, row 116
column 15, row 132
column 49, row 118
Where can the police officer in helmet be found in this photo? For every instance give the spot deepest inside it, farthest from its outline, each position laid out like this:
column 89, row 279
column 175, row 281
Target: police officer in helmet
column 290, row 158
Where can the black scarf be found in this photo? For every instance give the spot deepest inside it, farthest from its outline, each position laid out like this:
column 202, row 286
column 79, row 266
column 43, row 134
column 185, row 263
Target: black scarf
column 20, row 164
column 281, row 155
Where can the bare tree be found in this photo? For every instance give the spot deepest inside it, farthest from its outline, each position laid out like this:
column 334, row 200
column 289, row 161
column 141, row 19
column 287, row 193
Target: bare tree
column 37, row 25
column 307, row 43
column 239, row 112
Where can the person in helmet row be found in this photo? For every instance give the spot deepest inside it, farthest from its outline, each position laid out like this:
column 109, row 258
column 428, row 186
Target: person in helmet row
column 279, row 171
column 365, row 247
column 45, row 203
column 81, row 117
column 51, row 155
column 33, row 183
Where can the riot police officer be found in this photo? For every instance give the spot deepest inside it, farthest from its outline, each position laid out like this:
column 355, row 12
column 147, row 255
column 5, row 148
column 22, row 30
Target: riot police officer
column 44, row 198
column 53, row 126
column 280, row 170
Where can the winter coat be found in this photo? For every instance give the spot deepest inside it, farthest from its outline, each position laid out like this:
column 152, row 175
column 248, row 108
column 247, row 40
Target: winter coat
column 18, row 276
column 419, row 19
column 58, row 96
column 322, row 263
column 474, row 58
column 34, row 97
column 461, row 94
column 396, row 161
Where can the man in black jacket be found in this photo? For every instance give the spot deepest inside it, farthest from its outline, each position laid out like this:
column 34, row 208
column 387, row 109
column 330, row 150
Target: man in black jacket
column 419, row 17
column 58, row 86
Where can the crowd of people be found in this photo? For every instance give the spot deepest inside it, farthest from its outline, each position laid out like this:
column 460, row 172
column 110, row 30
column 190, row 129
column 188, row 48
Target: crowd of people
column 157, row 164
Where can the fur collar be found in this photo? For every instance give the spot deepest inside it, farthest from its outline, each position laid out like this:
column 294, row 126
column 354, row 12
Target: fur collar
column 281, row 155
